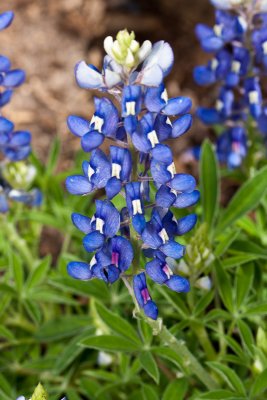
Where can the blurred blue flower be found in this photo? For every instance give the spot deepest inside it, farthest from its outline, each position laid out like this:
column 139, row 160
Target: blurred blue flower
column 239, row 41
column 15, row 146
column 139, row 168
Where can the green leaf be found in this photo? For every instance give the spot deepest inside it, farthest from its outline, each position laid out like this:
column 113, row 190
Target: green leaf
column 110, row 343
column 224, row 286
column 209, row 183
column 244, row 279
column 225, row 242
column 246, row 336
column 149, row 393
column 39, row 273
column 71, row 351
column 231, row 262
column 260, row 384
column 117, row 324
column 168, row 354
column 176, row 390
column 246, row 199
column 61, row 328
column 53, row 157
column 229, row 376
column 17, row 269
column 203, row 303
column 220, row 395
column 256, row 309
column 149, row 364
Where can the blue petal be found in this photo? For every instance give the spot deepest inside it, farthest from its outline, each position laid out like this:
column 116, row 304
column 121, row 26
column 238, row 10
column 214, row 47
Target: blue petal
column 178, row 105
column 14, row 78
column 4, row 64
column 113, row 187
column 203, row 31
column 139, row 284
column 212, row 44
column 173, row 249
column 209, row 116
column 20, row 138
column 79, row 270
column 184, row 200
column 150, row 237
column 154, row 271
column 110, row 274
column 183, row 183
column 204, row 75
column 3, row 203
column 5, row 19
column 102, row 167
column 125, row 250
column 139, row 223
column 181, row 126
column 162, row 153
column 178, row 284
column 159, row 172
column 6, row 126
column 88, row 77
column 130, row 123
column 92, row 140
column 151, row 310
column 165, row 197
column 78, row 184
column 93, row 241
column 185, row 224
column 5, row 97
column 110, row 215
column 153, row 99
column 77, row 125
column 81, row 222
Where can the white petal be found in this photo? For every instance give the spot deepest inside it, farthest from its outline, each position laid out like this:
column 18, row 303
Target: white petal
column 108, row 44
column 145, row 50
column 87, row 77
column 112, row 78
column 161, row 55
column 150, row 76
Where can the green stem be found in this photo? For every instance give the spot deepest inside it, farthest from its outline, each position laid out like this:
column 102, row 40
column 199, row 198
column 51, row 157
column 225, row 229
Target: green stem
column 15, row 239
column 204, row 340
column 189, row 360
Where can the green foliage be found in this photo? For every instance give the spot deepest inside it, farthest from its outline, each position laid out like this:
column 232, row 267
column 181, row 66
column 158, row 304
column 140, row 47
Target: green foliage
column 80, row 339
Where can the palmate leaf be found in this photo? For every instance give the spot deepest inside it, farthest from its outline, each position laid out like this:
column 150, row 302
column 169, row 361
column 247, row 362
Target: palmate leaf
column 149, row 393
column 221, row 395
column 246, row 199
column 243, row 283
column 209, row 183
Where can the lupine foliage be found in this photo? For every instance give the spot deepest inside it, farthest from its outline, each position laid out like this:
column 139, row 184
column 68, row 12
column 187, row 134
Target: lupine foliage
column 80, row 338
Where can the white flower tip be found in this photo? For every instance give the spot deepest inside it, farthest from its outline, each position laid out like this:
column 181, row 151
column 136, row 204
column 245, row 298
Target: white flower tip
column 144, row 50
column 108, row 44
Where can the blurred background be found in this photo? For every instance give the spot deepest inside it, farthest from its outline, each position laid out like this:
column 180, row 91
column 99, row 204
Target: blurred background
column 48, row 37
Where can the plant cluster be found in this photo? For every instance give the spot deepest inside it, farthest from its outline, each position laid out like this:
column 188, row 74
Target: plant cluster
column 80, row 337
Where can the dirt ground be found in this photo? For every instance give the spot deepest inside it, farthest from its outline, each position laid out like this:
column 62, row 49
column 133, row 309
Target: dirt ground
column 48, row 37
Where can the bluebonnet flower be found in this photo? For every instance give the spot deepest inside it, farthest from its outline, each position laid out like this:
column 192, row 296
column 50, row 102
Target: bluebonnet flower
column 15, row 146
column 139, row 168
column 239, row 41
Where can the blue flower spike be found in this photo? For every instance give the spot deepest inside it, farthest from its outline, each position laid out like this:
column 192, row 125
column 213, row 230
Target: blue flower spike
column 137, row 163
column 16, row 175
column 238, row 42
